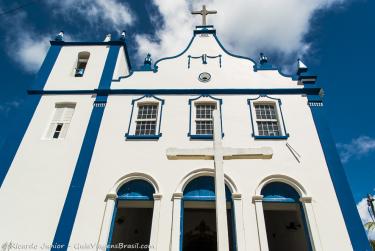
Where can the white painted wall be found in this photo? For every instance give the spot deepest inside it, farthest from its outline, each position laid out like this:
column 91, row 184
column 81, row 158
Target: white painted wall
column 35, row 188
column 62, row 75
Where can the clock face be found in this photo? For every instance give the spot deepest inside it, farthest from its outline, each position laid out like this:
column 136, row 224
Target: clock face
column 204, row 77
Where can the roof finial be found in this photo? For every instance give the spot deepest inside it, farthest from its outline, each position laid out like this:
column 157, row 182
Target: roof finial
column 204, row 12
column 262, row 58
column 60, row 36
column 148, row 59
column 107, row 38
column 123, row 35
column 301, row 67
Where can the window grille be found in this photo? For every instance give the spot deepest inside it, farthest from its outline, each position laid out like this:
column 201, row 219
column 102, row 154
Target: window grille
column 266, row 119
column 204, row 119
column 146, row 121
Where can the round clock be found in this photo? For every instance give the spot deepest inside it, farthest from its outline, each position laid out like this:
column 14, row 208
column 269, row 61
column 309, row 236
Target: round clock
column 204, row 77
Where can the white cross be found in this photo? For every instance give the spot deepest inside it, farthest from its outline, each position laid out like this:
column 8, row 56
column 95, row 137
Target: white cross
column 204, row 12
column 219, row 153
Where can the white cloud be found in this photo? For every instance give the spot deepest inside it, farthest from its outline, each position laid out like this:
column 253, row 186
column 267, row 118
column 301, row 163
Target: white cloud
column 111, row 13
column 365, row 216
column 244, row 26
column 28, row 47
column 357, row 148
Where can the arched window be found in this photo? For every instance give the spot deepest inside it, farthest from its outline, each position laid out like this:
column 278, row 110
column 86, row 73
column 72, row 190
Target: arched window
column 83, row 58
column 284, row 218
column 198, row 216
column 133, row 214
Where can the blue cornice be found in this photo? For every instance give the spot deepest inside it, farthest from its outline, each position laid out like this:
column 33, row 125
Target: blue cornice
column 63, row 43
column 229, row 91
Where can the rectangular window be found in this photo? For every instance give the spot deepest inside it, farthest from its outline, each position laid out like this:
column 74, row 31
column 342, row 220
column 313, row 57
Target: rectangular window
column 266, row 119
column 204, row 119
column 61, row 120
column 146, row 119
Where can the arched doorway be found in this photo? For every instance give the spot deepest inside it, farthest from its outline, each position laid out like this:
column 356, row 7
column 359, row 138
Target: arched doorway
column 284, row 218
column 198, row 216
column 132, row 218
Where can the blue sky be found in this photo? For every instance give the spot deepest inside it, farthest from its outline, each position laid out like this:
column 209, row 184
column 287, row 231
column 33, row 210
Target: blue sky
column 335, row 38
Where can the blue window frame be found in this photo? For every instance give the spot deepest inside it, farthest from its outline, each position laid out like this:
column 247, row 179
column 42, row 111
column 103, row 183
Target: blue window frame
column 201, row 121
column 145, row 118
column 267, row 119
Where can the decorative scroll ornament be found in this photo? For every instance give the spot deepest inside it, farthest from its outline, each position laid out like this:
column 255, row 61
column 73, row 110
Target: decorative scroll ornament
column 204, row 59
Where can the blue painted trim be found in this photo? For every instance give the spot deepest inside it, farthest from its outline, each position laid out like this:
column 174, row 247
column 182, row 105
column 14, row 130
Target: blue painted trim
column 109, row 68
column 24, row 114
column 176, row 56
column 200, row 136
column 234, row 232
column 156, row 136
column 112, row 227
column 250, row 103
column 73, row 198
column 231, row 54
column 64, row 43
column 46, row 68
column 182, row 224
column 204, row 26
column 271, row 137
column 340, row 182
column 205, row 31
column 69, row 212
column 241, row 91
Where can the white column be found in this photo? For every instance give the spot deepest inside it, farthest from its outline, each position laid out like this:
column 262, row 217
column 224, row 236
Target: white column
column 311, row 223
column 221, row 209
column 155, row 222
column 262, row 233
column 176, row 222
column 238, row 217
column 106, row 222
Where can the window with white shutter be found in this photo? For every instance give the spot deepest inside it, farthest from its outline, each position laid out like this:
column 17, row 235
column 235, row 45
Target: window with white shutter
column 61, row 119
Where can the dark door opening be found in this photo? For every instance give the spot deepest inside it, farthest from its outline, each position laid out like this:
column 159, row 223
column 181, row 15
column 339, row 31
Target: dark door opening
column 199, row 229
column 132, row 226
column 285, row 227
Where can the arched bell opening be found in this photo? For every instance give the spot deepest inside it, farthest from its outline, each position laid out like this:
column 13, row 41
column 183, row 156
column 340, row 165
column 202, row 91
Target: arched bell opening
column 285, row 221
column 198, row 216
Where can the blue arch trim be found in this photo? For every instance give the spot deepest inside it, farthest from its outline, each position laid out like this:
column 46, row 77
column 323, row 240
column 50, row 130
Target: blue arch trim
column 203, row 188
column 285, row 134
column 279, row 192
column 208, row 136
column 156, row 136
column 24, row 115
column 69, row 211
column 340, row 182
column 136, row 190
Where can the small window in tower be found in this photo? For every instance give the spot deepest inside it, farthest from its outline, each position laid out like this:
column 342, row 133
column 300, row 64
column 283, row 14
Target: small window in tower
column 146, row 121
column 266, row 120
column 83, row 58
column 204, row 119
column 62, row 117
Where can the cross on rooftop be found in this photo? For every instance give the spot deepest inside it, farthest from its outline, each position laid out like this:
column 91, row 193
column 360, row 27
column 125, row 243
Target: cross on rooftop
column 204, row 12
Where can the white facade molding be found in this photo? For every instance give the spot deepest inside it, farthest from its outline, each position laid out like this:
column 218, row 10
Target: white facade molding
column 176, row 222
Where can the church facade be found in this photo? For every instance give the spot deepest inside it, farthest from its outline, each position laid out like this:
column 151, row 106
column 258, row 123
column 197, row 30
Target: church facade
column 116, row 158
